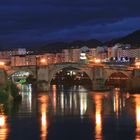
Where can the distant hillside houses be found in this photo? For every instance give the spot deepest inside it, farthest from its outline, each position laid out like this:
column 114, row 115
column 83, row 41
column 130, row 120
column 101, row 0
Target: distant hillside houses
column 117, row 53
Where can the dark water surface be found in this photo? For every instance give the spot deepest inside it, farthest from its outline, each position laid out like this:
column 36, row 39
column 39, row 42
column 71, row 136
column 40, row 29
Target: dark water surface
column 73, row 114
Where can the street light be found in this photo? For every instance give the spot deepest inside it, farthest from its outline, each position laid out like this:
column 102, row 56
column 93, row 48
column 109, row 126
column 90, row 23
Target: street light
column 97, row 60
column 36, row 65
column 2, row 63
column 43, row 61
column 137, row 64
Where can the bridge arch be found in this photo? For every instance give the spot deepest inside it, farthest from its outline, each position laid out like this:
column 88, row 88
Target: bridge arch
column 55, row 68
column 108, row 72
column 17, row 75
column 76, row 69
column 16, row 69
column 117, row 78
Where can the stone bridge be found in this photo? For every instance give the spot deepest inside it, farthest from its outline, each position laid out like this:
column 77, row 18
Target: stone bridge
column 98, row 74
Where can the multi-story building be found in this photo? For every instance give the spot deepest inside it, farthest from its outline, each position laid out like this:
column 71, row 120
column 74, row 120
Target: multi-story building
column 47, row 58
column 59, row 58
column 133, row 53
column 5, row 57
column 93, row 52
column 23, row 60
column 76, row 55
column 71, row 55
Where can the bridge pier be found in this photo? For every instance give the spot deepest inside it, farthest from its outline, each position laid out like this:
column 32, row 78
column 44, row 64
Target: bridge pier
column 98, row 82
column 43, row 85
column 3, row 77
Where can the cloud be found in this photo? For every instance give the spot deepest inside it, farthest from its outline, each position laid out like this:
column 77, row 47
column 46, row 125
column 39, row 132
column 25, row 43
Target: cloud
column 23, row 21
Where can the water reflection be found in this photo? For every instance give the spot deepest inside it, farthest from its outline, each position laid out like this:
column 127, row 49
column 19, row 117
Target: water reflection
column 75, row 113
column 54, row 97
column 98, row 128
column 70, row 103
column 44, row 102
column 97, row 99
column 119, row 101
column 4, row 128
column 83, row 104
column 116, row 101
column 26, row 93
column 137, row 106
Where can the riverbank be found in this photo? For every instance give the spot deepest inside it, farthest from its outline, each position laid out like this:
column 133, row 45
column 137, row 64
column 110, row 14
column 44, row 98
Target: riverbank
column 9, row 92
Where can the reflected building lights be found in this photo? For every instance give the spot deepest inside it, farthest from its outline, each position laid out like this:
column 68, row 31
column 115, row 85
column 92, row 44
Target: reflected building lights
column 70, row 102
column 62, row 102
column 2, row 120
column 44, row 119
column 26, row 92
column 137, row 100
column 4, row 129
column 83, row 103
column 44, row 123
column 116, row 103
column 75, row 101
column 119, row 103
column 54, row 97
column 98, row 118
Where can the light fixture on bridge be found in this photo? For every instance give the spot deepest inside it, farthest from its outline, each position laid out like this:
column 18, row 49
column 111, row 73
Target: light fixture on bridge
column 137, row 64
column 43, row 60
column 2, row 63
column 97, row 60
column 2, row 120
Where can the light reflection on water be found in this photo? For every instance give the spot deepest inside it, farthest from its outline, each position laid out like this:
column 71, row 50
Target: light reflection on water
column 137, row 115
column 69, row 103
column 98, row 115
column 4, row 128
column 43, row 118
column 74, row 113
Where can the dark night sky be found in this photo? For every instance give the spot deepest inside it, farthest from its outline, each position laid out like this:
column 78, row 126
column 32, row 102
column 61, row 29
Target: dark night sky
column 37, row 22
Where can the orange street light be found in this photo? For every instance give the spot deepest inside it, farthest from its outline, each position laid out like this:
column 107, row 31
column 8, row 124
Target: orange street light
column 2, row 63
column 137, row 64
column 43, row 60
column 97, row 60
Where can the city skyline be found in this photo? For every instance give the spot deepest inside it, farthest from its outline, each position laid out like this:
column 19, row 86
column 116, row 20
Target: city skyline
column 34, row 23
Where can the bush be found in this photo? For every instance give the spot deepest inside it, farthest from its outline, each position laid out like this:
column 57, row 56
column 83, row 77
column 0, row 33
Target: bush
column 14, row 91
column 7, row 91
column 4, row 94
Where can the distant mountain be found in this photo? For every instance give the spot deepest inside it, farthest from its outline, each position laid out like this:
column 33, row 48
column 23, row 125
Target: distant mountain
column 92, row 43
column 58, row 46
column 133, row 39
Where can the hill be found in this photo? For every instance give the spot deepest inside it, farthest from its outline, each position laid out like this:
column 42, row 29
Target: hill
column 58, row 46
column 132, row 38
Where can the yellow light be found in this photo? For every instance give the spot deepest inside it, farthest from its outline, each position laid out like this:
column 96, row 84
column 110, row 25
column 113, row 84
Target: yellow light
column 43, row 60
column 137, row 101
column 137, row 64
column 98, row 119
column 2, row 63
column 97, row 60
column 2, row 120
column 43, row 119
column 98, row 116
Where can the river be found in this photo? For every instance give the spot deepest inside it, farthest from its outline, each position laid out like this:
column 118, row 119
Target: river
column 72, row 114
